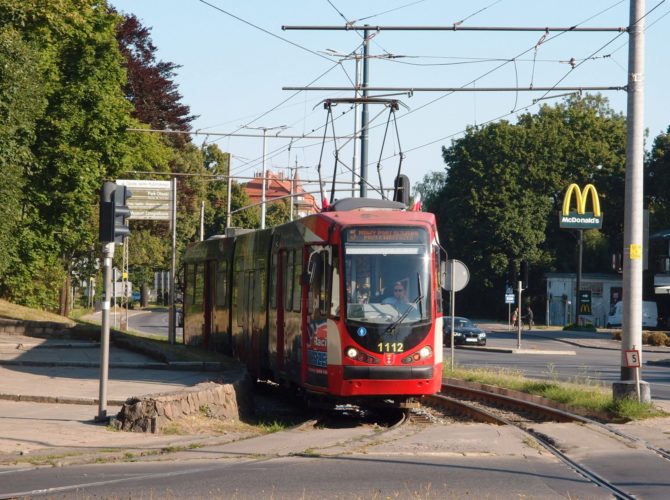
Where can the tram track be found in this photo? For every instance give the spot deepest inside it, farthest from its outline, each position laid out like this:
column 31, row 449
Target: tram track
column 522, row 414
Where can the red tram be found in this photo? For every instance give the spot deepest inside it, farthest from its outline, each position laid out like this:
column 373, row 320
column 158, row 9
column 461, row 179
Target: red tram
column 311, row 303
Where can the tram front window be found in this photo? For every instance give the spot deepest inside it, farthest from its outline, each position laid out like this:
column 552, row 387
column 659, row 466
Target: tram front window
column 388, row 281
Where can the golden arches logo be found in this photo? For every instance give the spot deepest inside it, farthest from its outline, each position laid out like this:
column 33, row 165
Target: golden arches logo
column 580, row 197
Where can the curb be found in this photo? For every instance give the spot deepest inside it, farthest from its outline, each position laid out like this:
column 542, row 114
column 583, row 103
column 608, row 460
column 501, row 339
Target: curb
column 58, row 400
column 197, row 366
column 514, row 350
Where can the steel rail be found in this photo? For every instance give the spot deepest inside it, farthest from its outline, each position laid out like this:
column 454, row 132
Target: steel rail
column 486, row 416
column 557, row 413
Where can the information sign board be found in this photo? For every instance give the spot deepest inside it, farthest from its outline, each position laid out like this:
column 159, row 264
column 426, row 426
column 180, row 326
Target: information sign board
column 150, row 200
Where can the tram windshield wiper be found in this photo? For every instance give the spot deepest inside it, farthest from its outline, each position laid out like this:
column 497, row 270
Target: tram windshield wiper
column 410, row 307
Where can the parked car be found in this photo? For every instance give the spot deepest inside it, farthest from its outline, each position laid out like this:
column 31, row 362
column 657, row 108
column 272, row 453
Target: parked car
column 465, row 331
column 649, row 315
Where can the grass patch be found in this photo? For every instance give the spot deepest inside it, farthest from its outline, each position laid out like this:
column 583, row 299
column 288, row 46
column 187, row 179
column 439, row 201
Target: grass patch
column 15, row 311
column 591, row 396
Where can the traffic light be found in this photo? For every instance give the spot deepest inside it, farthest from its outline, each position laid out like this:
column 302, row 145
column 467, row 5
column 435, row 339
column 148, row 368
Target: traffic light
column 121, row 213
column 524, row 273
column 114, row 213
column 511, row 273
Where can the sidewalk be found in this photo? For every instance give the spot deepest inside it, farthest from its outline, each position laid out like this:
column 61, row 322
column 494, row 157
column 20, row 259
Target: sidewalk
column 49, row 392
column 599, row 340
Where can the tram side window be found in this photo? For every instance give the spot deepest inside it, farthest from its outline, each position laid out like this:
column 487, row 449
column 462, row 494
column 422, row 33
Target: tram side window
column 297, row 274
column 256, row 306
column 221, row 283
column 288, row 281
column 238, row 296
column 188, row 286
column 198, row 284
column 273, row 281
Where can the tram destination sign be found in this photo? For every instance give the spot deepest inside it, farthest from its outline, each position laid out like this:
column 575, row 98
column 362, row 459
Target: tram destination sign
column 150, row 199
column 384, row 235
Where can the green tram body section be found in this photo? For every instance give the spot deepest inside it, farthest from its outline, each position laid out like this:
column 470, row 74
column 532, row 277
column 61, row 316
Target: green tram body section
column 237, row 304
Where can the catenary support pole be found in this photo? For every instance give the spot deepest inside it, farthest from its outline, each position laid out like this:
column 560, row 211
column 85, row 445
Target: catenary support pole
column 633, row 207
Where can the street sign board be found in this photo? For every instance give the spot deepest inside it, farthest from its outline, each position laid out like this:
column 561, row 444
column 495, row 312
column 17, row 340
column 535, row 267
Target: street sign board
column 150, row 200
column 509, row 298
column 632, row 358
column 461, row 275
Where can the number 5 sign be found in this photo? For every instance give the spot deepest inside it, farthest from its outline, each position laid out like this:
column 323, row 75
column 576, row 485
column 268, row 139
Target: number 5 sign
column 632, row 358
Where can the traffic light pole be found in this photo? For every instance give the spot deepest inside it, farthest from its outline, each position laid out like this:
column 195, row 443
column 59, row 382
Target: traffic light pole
column 108, row 255
column 519, row 321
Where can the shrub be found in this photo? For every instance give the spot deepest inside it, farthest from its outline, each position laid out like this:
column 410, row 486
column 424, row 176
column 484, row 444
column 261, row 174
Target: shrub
column 658, row 338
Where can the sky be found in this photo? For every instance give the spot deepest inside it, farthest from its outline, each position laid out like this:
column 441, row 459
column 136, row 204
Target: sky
column 235, row 59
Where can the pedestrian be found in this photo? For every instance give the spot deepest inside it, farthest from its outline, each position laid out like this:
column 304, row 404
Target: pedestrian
column 529, row 316
column 515, row 316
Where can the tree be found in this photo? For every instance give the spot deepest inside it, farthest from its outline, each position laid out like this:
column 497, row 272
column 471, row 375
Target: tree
column 77, row 139
column 657, row 183
column 217, row 163
column 505, row 184
column 250, row 217
column 22, row 101
column 151, row 87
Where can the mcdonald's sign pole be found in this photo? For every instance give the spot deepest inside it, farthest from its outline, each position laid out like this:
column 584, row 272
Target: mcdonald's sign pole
column 633, row 211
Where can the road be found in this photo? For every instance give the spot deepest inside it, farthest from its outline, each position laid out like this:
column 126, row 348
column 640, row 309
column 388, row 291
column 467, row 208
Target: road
column 588, row 364
column 148, row 321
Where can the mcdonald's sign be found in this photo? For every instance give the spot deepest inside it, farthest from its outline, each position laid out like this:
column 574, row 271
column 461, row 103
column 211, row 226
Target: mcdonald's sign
column 580, row 218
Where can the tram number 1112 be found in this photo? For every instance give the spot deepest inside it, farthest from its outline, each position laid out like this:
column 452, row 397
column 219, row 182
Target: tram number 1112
column 390, row 347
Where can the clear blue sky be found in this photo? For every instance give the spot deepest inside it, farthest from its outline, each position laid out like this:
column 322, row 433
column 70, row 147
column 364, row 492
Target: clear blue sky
column 235, row 63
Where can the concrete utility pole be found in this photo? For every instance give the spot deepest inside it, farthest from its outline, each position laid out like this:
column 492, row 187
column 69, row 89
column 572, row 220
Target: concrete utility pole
column 633, row 212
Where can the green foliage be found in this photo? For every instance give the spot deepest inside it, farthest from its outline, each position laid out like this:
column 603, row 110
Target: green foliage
column 504, row 185
column 277, row 213
column 21, row 103
column 249, row 218
column 657, row 182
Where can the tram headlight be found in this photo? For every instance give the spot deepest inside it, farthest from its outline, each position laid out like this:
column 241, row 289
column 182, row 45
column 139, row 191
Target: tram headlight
column 351, row 353
column 425, row 352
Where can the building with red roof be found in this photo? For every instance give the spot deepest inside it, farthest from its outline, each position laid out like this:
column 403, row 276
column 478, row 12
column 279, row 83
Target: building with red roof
column 278, row 188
